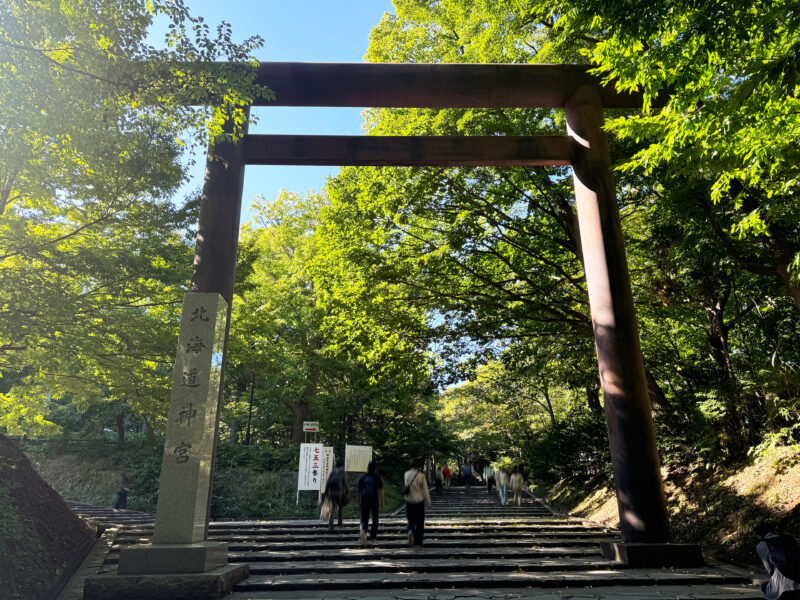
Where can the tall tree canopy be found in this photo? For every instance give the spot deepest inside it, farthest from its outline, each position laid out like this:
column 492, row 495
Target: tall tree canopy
column 317, row 344
column 711, row 220
column 93, row 254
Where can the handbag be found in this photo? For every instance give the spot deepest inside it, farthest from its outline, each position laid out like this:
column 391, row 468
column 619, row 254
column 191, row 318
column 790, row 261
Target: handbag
column 407, row 489
column 325, row 512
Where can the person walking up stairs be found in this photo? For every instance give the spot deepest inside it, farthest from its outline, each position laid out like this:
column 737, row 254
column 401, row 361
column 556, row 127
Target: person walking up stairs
column 502, row 485
column 517, row 485
column 416, row 494
column 370, row 496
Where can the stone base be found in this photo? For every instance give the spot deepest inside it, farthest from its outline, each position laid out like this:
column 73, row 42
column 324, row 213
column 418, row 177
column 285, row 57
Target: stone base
column 654, row 555
column 198, row 586
column 173, row 558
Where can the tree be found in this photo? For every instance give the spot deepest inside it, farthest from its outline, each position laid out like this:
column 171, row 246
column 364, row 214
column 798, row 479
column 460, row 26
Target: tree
column 495, row 252
column 730, row 71
column 93, row 254
column 276, row 321
column 317, row 349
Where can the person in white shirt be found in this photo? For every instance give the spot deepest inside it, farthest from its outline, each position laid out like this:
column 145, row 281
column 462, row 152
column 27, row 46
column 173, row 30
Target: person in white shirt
column 517, row 484
column 488, row 475
column 416, row 495
column 501, row 478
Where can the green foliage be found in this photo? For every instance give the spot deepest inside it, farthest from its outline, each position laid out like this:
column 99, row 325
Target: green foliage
column 93, row 254
column 577, row 447
column 250, row 482
column 258, row 458
column 355, row 307
column 321, row 345
column 499, row 410
column 707, row 200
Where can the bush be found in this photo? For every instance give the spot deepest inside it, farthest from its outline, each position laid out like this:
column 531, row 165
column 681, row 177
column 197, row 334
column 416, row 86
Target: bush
column 578, row 446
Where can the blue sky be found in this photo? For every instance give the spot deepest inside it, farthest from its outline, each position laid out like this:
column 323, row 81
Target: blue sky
column 304, row 31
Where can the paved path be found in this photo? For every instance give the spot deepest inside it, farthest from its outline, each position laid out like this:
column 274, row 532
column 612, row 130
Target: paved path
column 474, row 548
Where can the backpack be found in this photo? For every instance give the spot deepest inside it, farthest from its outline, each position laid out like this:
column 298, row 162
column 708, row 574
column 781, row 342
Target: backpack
column 785, row 553
column 368, row 486
column 334, row 484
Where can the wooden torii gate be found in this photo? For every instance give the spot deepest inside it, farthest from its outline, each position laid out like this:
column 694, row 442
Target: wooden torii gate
column 182, row 513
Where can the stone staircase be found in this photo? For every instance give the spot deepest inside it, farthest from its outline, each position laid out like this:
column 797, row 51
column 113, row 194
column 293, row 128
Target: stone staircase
column 474, row 547
column 110, row 516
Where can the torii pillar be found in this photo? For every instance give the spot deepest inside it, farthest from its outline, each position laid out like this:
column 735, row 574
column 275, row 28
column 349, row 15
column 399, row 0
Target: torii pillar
column 631, row 435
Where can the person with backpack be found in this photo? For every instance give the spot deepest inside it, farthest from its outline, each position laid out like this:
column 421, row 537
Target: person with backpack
column 416, row 494
column 780, row 554
column 336, row 491
column 370, row 497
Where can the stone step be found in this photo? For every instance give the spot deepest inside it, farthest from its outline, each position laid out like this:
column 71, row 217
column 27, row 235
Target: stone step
column 483, row 501
column 352, row 542
column 465, row 529
column 387, row 534
column 510, row 523
column 359, row 553
column 399, row 564
column 498, row 509
column 377, row 552
column 473, row 548
column 611, row 592
column 587, row 578
column 350, row 527
column 464, row 514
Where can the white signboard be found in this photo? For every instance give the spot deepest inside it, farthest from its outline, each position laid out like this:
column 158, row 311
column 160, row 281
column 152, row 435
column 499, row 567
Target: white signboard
column 327, row 466
column 310, row 425
column 310, row 473
column 356, row 458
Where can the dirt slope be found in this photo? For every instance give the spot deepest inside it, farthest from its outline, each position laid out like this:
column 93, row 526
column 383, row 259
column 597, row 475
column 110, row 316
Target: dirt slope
column 717, row 508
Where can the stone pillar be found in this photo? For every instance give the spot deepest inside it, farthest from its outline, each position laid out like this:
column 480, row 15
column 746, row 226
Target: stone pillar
column 182, row 512
column 180, row 536
column 640, row 492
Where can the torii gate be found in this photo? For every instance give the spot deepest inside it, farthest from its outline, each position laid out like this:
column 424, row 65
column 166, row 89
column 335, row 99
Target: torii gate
column 180, row 538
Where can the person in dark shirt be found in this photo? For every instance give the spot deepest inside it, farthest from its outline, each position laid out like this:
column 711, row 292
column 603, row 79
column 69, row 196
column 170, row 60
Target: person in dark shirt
column 370, row 499
column 336, row 491
column 122, row 492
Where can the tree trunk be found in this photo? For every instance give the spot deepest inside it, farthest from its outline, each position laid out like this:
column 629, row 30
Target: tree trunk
column 775, row 240
column 714, row 303
column 233, row 432
column 347, row 426
column 299, row 414
column 783, row 255
column 657, row 396
column 149, row 434
column 549, row 407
